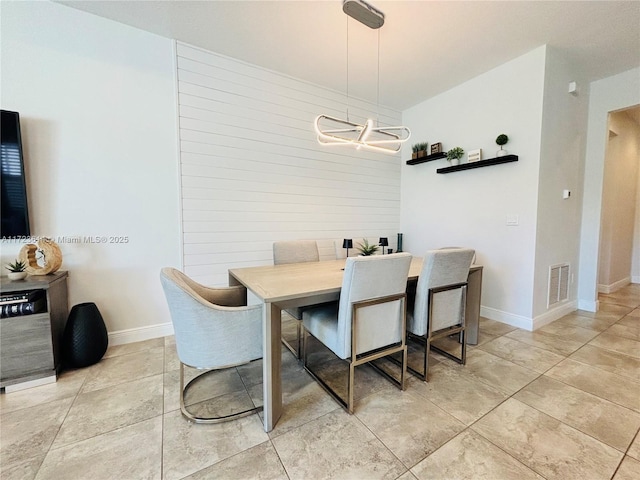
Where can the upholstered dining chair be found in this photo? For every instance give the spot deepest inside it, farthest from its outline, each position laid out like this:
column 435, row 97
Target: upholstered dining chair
column 214, row 329
column 295, row 251
column 369, row 320
column 439, row 307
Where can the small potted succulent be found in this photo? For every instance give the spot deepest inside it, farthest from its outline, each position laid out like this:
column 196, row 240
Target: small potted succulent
column 454, row 155
column 501, row 140
column 367, row 249
column 17, row 270
column 419, row 150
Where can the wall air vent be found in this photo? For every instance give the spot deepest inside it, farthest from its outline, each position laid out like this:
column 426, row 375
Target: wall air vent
column 558, row 284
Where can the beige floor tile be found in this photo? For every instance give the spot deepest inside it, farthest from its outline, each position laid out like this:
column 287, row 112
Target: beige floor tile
column 579, row 334
column 634, row 449
column 135, row 347
column 621, row 297
column 629, row 470
column 582, row 321
column 458, row 393
column 257, row 463
column 495, row 328
column 188, row 447
column 626, row 328
column 124, row 368
column 617, row 344
column 548, row 341
column 523, row 354
column 29, row 432
column 21, row 470
column 608, row 360
column 471, row 456
column 607, row 311
column 634, row 313
column 303, row 400
column 132, row 452
column 547, row 446
column 336, row 446
column 497, row 372
column 617, row 389
column 171, row 360
column 408, row 424
column 407, row 476
column 605, row 421
column 68, row 385
column 102, row 411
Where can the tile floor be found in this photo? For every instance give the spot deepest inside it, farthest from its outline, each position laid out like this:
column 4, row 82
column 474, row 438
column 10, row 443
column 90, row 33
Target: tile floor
column 562, row 402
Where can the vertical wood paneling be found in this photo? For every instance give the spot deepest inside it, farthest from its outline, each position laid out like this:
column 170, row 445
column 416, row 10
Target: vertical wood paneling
column 252, row 171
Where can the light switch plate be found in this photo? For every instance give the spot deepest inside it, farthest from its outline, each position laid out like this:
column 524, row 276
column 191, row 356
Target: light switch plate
column 512, row 220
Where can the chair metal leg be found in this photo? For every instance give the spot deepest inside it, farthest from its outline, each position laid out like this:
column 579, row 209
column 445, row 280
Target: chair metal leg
column 193, row 418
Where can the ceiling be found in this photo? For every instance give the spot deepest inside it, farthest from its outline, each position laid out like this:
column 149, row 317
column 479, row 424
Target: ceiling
column 426, row 47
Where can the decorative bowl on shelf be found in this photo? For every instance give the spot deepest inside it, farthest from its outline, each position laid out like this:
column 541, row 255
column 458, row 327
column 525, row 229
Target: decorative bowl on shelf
column 13, row 276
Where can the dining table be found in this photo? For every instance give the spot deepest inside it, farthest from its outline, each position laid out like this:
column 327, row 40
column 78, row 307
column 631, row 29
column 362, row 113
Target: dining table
column 280, row 287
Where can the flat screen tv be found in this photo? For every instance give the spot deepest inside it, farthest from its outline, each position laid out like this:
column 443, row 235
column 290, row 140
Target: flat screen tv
column 15, row 213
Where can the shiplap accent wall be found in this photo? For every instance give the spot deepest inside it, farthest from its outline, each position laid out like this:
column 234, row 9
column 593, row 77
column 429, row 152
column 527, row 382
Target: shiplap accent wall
column 252, row 171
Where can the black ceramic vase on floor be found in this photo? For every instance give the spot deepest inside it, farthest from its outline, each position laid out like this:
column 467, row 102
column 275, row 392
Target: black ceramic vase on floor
column 85, row 336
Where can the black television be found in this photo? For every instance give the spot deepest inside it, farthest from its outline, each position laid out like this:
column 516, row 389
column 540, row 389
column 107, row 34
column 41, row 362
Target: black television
column 15, row 212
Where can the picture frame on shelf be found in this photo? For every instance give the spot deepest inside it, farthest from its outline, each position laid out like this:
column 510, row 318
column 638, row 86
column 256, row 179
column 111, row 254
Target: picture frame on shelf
column 436, row 148
column 474, row 155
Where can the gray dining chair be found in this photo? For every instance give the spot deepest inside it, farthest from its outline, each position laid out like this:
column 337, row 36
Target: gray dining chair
column 369, row 320
column 295, row 251
column 214, row 329
column 440, row 298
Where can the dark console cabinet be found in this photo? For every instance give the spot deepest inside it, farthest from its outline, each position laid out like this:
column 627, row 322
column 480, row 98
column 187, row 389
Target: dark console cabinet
column 31, row 345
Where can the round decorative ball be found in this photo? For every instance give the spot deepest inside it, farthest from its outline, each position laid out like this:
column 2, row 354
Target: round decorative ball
column 85, row 336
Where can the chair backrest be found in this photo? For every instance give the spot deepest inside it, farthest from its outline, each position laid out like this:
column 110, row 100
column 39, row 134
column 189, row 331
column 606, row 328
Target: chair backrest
column 368, row 278
column 295, row 251
column 440, row 268
column 213, row 328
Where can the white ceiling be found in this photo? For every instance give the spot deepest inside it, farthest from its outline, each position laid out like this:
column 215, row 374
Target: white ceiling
column 426, row 47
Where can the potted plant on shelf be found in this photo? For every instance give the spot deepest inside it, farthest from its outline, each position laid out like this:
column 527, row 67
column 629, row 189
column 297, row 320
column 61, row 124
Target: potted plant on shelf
column 454, row 155
column 366, row 249
column 501, row 140
column 419, row 150
column 17, row 270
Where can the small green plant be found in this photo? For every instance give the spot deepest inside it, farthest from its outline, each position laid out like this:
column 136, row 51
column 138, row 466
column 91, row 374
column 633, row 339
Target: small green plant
column 502, row 139
column 16, row 267
column 420, row 149
column 366, row 249
column 455, row 153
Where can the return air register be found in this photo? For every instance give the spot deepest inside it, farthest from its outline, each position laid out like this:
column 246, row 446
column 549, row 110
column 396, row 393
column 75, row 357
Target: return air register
column 558, row 283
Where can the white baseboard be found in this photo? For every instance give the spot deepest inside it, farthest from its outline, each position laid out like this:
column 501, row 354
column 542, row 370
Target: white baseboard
column 589, row 305
column 614, row 286
column 508, row 318
column 139, row 334
column 554, row 314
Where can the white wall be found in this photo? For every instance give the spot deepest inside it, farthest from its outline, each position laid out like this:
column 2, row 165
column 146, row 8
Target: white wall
column 469, row 208
column 606, row 95
column 619, row 202
column 253, row 171
column 97, row 104
column 564, row 124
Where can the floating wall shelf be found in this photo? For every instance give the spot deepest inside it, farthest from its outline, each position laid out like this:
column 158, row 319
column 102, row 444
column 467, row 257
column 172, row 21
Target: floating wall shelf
column 428, row 158
column 478, row 164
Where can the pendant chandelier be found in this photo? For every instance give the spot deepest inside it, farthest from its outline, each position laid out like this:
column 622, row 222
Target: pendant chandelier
column 370, row 135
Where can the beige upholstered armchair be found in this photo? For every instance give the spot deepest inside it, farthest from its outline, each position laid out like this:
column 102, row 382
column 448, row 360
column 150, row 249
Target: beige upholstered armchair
column 214, row 329
column 368, row 322
column 439, row 308
column 295, row 251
